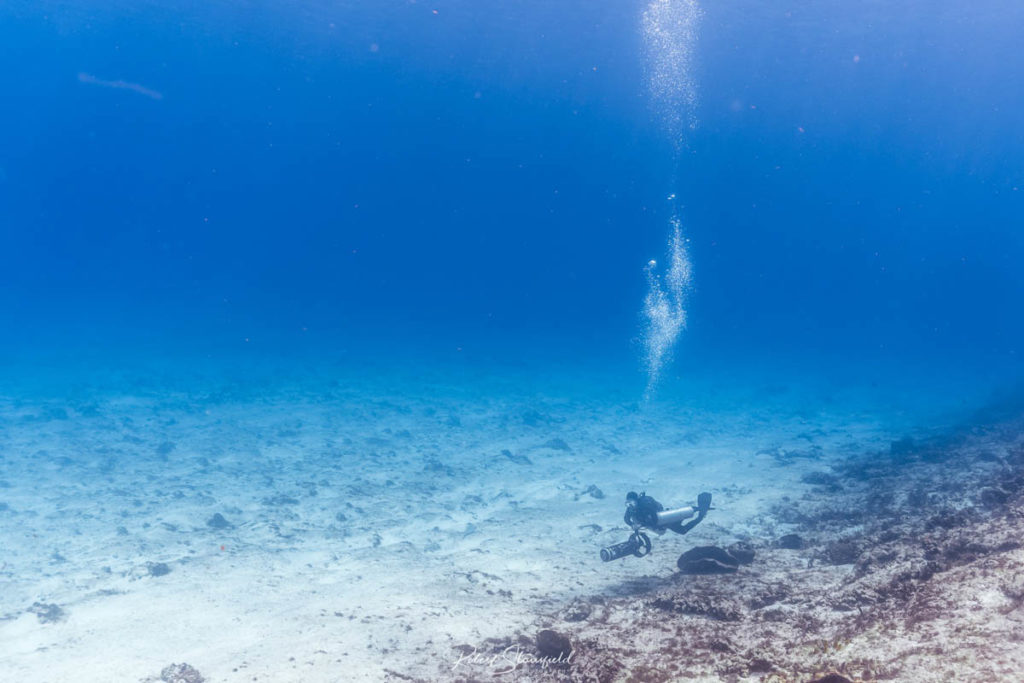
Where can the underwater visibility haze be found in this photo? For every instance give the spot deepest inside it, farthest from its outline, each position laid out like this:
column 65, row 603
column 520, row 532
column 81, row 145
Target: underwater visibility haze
column 334, row 335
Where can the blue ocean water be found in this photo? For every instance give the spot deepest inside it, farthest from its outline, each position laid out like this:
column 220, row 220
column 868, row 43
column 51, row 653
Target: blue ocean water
column 458, row 199
column 491, row 176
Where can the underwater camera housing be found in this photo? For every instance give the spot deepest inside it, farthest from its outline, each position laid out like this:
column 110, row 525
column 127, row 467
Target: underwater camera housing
column 643, row 512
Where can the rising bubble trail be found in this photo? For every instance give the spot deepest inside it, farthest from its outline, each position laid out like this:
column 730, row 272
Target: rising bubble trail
column 670, row 34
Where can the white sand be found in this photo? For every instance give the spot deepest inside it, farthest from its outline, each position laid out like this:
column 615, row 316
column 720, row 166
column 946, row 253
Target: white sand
column 444, row 540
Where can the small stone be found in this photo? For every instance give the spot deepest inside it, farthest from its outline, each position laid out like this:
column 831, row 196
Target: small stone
column 842, row 552
column 158, row 568
column 517, row 458
column 48, row 613
column 829, row 481
column 993, row 497
column 832, row 678
column 280, row 499
column 578, row 610
column 790, row 542
column 218, row 522
column 532, row 418
column 707, row 559
column 181, row 673
column 553, row 645
column 1013, row 587
column 742, row 551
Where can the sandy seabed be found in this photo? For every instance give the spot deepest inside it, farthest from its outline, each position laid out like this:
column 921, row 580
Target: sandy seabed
column 370, row 531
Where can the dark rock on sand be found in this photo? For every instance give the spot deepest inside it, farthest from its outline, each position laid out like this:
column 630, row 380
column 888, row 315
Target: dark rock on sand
column 280, row 499
column 218, row 522
column 947, row 520
column 1013, row 588
column 829, row 481
column 552, row 644
column 742, row 551
column 832, row 678
column 181, row 673
column 707, row 559
column 534, row 418
column 992, row 496
column 578, row 610
column 435, row 466
column 517, row 458
column 48, row 613
column 557, row 444
column 158, row 568
column 842, row 552
column 790, row 542
column 788, row 457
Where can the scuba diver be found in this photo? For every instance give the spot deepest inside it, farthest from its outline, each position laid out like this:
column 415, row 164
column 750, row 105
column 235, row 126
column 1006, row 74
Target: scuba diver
column 644, row 512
